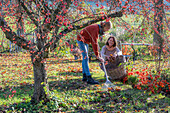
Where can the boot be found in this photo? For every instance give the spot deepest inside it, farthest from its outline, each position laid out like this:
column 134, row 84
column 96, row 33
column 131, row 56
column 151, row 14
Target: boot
column 90, row 80
column 84, row 77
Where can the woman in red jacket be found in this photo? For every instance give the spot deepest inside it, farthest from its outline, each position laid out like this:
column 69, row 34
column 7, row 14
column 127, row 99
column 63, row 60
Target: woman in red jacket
column 89, row 35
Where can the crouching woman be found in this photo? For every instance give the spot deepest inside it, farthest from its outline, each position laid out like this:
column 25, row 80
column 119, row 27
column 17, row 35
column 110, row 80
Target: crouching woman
column 113, row 60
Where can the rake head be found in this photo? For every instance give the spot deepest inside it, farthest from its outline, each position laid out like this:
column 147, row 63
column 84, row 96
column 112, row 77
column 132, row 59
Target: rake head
column 108, row 84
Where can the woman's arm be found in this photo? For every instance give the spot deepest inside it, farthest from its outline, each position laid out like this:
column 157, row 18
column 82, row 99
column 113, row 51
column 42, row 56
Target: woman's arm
column 103, row 52
column 117, row 49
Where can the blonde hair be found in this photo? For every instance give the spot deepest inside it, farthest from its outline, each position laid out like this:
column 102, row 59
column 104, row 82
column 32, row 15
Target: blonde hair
column 106, row 23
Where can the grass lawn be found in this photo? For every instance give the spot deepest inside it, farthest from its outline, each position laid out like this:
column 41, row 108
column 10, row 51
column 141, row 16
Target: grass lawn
column 67, row 90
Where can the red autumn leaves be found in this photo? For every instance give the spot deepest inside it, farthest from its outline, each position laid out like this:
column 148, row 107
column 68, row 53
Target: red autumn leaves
column 148, row 81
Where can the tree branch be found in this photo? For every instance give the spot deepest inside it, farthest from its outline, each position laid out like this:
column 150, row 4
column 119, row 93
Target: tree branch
column 101, row 18
column 67, row 30
column 13, row 37
column 29, row 13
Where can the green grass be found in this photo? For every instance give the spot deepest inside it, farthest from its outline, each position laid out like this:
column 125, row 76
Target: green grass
column 67, row 90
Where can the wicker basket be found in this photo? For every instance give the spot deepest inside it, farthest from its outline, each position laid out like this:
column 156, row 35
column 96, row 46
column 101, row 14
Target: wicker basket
column 115, row 69
column 117, row 73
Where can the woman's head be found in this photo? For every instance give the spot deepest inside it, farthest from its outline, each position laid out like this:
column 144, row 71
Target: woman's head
column 111, row 41
column 106, row 26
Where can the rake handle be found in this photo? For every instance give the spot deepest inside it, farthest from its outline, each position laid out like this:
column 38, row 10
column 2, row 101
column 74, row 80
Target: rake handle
column 105, row 71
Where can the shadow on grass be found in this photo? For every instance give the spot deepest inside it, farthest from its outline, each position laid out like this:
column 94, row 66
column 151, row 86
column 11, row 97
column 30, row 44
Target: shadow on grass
column 8, row 98
column 27, row 89
column 20, row 91
column 62, row 85
column 128, row 99
column 70, row 83
column 74, row 81
column 112, row 101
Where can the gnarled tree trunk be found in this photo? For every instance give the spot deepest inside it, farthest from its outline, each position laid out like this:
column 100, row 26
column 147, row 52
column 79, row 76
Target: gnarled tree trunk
column 40, row 81
column 158, row 26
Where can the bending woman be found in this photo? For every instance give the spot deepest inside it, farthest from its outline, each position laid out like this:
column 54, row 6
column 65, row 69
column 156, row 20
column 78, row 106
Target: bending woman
column 90, row 35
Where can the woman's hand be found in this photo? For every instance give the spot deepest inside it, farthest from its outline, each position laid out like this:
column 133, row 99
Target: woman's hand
column 108, row 57
column 101, row 59
column 114, row 55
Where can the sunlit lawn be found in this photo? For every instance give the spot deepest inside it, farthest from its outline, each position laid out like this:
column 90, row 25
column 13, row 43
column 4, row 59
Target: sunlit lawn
column 64, row 78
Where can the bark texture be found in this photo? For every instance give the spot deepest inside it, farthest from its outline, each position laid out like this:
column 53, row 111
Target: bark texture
column 40, row 81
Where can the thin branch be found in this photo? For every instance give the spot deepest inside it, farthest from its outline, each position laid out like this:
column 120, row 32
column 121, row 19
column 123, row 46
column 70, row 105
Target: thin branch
column 30, row 14
column 13, row 37
column 67, row 30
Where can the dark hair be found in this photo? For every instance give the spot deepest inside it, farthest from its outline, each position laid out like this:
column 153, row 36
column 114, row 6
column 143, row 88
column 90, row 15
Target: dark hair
column 114, row 39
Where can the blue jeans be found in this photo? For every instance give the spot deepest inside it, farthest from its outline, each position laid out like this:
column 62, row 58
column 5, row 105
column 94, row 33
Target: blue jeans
column 85, row 61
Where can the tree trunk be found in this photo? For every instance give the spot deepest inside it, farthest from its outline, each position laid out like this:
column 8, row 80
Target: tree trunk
column 158, row 25
column 40, row 81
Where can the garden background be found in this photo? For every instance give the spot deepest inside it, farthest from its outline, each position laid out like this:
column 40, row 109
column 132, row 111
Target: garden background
column 39, row 72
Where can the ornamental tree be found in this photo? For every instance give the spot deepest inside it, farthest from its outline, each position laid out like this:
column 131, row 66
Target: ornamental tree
column 50, row 20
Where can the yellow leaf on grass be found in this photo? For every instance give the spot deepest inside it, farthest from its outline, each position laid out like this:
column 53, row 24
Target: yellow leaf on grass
column 30, row 76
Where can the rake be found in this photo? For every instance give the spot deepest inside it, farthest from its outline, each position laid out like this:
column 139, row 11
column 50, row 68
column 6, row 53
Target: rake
column 107, row 84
